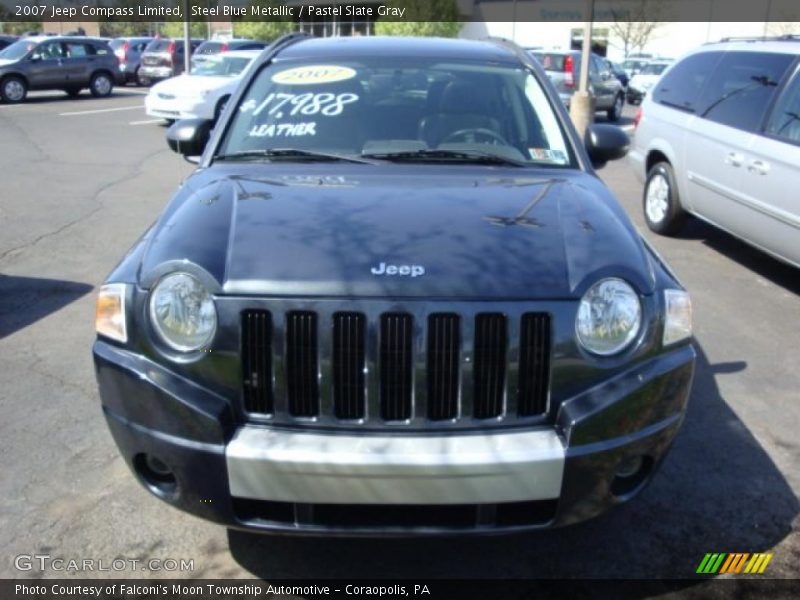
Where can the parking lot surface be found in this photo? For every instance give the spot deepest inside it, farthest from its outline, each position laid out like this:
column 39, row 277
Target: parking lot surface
column 82, row 179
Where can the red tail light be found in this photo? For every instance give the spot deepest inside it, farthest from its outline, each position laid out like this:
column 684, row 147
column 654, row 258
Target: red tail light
column 121, row 52
column 569, row 69
column 171, row 50
column 224, row 47
column 638, row 117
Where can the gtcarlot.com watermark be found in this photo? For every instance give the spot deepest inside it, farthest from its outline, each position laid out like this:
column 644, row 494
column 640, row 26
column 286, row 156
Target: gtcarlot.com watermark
column 46, row 562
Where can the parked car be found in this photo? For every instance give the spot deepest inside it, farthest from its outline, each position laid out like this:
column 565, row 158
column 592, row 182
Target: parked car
column 128, row 51
column 719, row 138
column 633, row 65
column 202, row 93
column 57, row 63
column 645, row 79
column 618, row 72
column 7, row 40
column 163, row 58
column 394, row 296
column 563, row 68
column 218, row 46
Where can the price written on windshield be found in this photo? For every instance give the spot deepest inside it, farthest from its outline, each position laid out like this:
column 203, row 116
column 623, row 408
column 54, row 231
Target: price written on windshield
column 309, row 103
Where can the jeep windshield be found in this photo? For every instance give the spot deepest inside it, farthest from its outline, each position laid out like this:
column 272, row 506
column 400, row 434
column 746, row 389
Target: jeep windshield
column 399, row 109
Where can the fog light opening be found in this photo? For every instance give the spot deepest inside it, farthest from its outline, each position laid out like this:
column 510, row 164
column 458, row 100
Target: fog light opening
column 156, row 476
column 630, row 475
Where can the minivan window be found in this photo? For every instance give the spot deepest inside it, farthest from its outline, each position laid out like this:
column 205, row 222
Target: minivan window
column 681, row 87
column 653, row 69
column 784, row 122
column 739, row 90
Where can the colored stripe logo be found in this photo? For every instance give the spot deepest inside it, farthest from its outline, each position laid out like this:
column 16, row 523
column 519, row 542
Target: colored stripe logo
column 737, row 562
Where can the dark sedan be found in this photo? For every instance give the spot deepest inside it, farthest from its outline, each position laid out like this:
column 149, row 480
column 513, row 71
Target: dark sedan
column 395, row 297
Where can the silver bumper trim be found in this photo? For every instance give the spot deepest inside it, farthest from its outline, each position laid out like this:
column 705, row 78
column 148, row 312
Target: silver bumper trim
column 286, row 466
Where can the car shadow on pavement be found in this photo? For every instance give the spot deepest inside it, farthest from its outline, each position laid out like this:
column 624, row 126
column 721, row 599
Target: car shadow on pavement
column 717, row 491
column 25, row 300
column 743, row 253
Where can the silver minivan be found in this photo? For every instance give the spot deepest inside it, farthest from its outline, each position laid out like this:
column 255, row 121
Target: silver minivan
column 719, row 138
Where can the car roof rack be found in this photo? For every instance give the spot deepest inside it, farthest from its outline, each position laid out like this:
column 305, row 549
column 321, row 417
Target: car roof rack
column 788, row 37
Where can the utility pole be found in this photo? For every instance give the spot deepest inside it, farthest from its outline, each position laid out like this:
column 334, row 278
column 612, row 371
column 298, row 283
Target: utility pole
column 581, row 105
column 187, row 43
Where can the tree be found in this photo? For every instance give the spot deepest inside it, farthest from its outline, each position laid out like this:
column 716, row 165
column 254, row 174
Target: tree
column 437, row 18
column 174, row 29
column 266, row 30
column 630, row 27
column 124, row 29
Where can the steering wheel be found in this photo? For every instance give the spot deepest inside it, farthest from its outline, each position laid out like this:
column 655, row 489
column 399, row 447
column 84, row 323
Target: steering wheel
column 472, row 134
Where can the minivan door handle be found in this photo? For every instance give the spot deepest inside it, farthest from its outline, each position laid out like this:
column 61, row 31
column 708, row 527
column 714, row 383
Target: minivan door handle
column 758, row 166
column 734, row 158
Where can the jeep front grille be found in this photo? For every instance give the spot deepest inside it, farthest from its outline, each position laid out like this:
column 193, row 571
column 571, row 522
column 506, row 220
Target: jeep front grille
column 257, row 361
column 395, row 369
column 302, row 381
column 395, row 366
column 349, row 394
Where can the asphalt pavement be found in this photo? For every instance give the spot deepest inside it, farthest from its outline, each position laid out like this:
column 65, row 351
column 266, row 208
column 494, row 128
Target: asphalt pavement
column 82, row 179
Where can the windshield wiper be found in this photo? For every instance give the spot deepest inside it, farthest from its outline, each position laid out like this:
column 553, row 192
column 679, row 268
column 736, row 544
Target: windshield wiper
column 792, row 118
column 455, row 155
column 290, row 153
column 758, row 81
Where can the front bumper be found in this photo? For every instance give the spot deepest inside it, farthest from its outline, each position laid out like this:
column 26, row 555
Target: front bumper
column 268, row 479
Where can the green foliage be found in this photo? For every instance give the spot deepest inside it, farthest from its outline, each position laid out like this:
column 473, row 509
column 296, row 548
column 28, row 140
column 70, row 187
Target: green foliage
column 262, row 30
column 19, row 27
column 125, row 29
column 174, row 29
column 437, row 18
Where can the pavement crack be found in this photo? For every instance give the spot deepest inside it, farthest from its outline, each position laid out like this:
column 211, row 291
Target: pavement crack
column 138, row 169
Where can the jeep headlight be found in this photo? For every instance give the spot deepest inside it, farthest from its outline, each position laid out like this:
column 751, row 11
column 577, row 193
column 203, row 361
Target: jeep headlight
column 678, row 317
column 609, row 317
column 182, row 312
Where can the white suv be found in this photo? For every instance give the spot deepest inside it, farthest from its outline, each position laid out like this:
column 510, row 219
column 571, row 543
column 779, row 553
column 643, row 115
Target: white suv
column 719, row 137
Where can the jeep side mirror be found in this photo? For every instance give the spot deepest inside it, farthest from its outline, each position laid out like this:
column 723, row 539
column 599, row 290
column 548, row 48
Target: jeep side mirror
column 605, row 143
column 189, row 136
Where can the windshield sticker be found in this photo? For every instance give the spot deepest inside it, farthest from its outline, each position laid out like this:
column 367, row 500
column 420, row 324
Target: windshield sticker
column 290, row 105
column 314, row 74
column 283, row 130
column 556, row 156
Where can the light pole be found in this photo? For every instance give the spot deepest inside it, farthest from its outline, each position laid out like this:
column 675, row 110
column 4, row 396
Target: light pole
column 581, row 105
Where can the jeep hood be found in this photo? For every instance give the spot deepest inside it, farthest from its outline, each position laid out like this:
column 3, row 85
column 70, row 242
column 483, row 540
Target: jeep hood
column 483, row 233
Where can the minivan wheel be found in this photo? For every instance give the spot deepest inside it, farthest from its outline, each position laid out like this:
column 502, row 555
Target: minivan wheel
column 662, row 208
column 615, row 112
column 101, row 85
column 13, row 90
